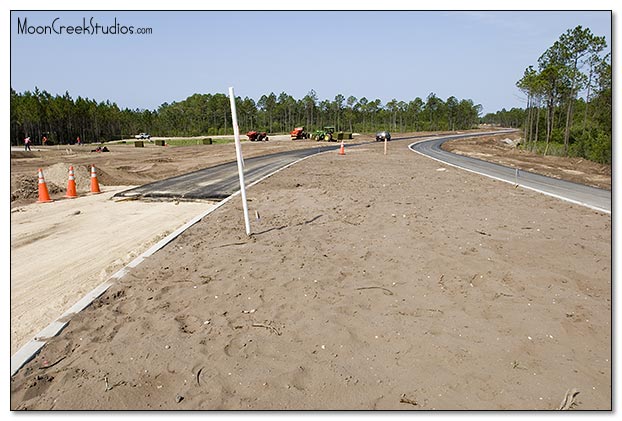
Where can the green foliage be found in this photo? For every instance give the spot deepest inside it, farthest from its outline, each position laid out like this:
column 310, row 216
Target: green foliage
column 62, row 118
column 575, row 64
column 512, row 118
column 592, row 144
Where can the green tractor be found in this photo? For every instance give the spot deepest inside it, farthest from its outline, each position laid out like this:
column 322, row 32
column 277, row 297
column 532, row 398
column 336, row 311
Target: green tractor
column 325, row 134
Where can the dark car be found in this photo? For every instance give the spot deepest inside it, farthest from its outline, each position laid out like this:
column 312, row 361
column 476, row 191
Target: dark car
column 381, row 136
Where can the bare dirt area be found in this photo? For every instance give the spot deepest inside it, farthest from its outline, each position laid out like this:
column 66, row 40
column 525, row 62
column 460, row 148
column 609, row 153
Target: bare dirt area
column 370, row 282
column 498, row 149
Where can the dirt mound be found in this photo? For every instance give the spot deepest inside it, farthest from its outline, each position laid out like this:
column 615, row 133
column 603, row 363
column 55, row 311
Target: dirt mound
column 27, row 187
column 58, row 174
column 56, row 177
column 105, row 179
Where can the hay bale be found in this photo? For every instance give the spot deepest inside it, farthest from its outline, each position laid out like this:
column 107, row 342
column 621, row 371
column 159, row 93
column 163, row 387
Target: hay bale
column 160, row 143
column 338, row 136
column 207, row 141
column 139, row 144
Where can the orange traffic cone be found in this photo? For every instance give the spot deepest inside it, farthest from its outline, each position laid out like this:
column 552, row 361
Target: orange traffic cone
column 44, row 195
column 342, row 150
column 94, row 182
column 71, row 185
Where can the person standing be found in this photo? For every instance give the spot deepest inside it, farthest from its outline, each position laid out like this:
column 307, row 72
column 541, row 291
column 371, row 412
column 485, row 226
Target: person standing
column 78, row 141
column 27, row 143
column 44, row 140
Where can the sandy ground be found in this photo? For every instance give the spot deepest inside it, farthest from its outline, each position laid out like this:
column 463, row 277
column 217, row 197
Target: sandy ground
column 370, row 282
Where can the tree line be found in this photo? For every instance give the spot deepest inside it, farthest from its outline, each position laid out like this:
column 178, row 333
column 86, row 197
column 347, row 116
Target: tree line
column 569, row 108
column 61, row 118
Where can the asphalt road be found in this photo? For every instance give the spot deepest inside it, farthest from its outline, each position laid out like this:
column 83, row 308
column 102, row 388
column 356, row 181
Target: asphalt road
column 221, row 181
column 591, row 197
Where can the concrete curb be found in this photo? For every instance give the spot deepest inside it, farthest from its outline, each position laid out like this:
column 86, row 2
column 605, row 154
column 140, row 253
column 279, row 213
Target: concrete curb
column 596, row 208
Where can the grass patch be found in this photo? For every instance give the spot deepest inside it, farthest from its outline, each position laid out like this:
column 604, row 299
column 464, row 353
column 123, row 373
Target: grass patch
column 197, row 141
column 555, row 149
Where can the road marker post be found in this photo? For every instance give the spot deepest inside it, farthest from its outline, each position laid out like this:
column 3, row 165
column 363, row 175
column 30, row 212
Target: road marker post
column 385, row 145
column 238, row 153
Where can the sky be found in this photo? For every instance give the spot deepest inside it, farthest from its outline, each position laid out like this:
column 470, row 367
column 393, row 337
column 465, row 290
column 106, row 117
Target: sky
column 476, row 55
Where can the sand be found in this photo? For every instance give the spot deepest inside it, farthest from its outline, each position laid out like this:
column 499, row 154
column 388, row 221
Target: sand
column 62, row 250
column 370, row 282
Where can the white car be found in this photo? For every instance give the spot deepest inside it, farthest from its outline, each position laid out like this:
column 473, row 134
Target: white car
column 143, row 136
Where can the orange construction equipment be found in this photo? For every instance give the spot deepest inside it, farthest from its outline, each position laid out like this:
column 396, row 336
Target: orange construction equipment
column 94, row 182
column 299, row 133
column 71, row 184
column 342, row 150
column 44, row 195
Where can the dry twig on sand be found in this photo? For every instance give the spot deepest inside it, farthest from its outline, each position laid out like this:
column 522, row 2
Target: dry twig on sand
column 199, row 376
column 272, row 328
column 386, row 291
column 569, row 399
column 409, row 401
column 53, row 364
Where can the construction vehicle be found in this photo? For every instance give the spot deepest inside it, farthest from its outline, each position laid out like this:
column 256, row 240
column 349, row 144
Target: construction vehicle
column 299, row 133
column 255, row 136
column 325, row 134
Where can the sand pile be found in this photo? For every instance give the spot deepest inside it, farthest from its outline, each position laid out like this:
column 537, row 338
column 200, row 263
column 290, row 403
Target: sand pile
column 58, row 174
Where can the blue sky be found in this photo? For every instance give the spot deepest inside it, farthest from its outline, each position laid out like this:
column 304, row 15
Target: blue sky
column 377, row 54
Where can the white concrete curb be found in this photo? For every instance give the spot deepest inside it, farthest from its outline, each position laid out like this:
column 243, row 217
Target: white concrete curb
column 596, row 208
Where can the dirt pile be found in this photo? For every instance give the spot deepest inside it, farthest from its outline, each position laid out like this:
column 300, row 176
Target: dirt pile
column 56, row 178
column 25, row 187
column 58, row 174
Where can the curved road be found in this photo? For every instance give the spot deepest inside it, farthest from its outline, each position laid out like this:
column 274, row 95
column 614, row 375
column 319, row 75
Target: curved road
column 597, row 199
column 221, row 181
